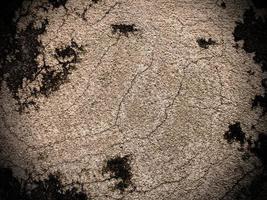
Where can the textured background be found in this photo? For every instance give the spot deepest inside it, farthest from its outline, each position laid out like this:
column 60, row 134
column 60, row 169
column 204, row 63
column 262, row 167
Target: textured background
column 150, row 94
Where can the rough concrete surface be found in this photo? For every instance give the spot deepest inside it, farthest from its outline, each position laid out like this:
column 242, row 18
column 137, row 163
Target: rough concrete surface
column 132, row 99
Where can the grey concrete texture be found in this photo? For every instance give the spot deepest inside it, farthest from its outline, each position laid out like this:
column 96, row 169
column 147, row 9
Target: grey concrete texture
column 152, row 94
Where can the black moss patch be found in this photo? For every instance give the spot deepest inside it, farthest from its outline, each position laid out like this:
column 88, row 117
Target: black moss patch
column 51, row 188
column 235, row 133
column 120, row 169
column 254, row 33
column 123, row 29
column 203, row 43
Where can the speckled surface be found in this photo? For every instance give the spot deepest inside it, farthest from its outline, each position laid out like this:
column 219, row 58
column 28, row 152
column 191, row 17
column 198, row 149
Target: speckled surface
column 150, row 92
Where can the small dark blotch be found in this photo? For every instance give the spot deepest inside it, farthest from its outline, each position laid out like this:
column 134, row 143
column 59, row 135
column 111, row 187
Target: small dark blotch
column 203, row 43
column 260, row 3
column 23, row 47
column 58, row 3
column 246, row 156
column 120, row 169
column 260, row 148
column 65, row 52
column 52, row 79
column 264, row 83
column 223, row 5
column 123, row 29
column 236, row 46
column 260, row 100
column 252, row 30
column 96, row 1
column 250, row 72
column 11, row 188
column 235, row 133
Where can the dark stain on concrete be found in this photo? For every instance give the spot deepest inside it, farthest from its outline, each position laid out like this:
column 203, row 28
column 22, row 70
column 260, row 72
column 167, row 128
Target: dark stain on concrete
column 260, row 148
column 119, row 169
column 256, row 188
column 235, row 133
column 19, row 60
column 58, row 3
column 123, row 29
column 19, row 50
column 96, row 1
column 51, row 188
column 203, row 43
column 52, row 79
column 253, row 32
column 260, row 100
column 260, row 4
column 223, row 5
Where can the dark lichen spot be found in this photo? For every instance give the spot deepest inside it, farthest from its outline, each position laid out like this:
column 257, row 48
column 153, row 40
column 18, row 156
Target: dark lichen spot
column 250, row 72
column 260, row 3
column 260, row 148
column 18, row 61
column 223, row 5
column 245, row 156
column 253, row 31
column 203, row 43
column 264, row 83
column 58, row 3
column 12, row 188
column 256, row 189
column 119, row 169
column 235, row 133
column 19, row 66
column 52, row 79
column 96, row 1
column 123, row 29
column 236, row 46
column 260, row 100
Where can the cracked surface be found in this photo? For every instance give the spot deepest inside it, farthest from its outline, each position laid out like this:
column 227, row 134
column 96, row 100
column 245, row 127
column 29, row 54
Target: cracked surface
column 125, row 78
